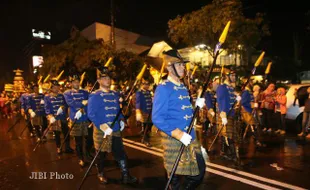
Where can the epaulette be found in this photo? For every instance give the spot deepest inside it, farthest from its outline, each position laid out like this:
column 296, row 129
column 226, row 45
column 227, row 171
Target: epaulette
column 96, row 91
column 164, row 82
column 67, row 91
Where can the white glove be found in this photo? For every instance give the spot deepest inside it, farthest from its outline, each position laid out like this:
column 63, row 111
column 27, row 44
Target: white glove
column 106, row 129
column 224, row 121
column 120, row 100
column 211, row 112
column 59, row 111
column 200, row 102
column 52, row 120
column 84, row 102
column 78, row 115
column 42, row 101
column 138, row 116
column 238, row 98
column 32, row 114
column 186, row 139
column 204, row 154
column 255, row 105
column 122, row 124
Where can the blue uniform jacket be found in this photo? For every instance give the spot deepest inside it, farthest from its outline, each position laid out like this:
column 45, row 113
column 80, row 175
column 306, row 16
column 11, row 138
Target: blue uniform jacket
column 103, row 108
column 225, row 98
column 144, row 101
column 24, row 101
column 246, row 99
column 52, row 104
column 34, row 103
column 172, row 108
column 209, row 100
column 74, row 100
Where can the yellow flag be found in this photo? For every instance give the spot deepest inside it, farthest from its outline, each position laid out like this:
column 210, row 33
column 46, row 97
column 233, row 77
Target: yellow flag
column 82, row 78
column 46, row 78
column 224, row 33
column 39, row 81
column 195, row 68
column 260, row 59
column 108, row 62
column 188, row 66
column 58, row 77
column 97, row 73
column 140, row 75
column 268, row 68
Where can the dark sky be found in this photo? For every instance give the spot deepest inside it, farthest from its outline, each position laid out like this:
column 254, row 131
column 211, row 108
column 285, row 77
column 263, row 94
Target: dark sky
column 147, row 17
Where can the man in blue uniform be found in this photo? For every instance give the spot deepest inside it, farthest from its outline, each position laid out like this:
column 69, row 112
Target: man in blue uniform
column 226, row 97
column 24, row 105
column 248, row 110
column 103, row 107
column 36, row 111
column 172, row 113
column 56, row 109
column 76, row 99
column 143, row 110
column 207, row 113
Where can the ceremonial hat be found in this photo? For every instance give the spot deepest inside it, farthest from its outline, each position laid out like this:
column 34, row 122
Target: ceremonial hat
column 74, row 77
column 174, row 53
column 104, row 72
column 55, row 83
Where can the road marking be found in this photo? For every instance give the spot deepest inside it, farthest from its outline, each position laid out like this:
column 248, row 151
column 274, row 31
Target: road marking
column 263, row 179
column 143, row 145
column 143, row 149
column 159, row 152
column 240, row 179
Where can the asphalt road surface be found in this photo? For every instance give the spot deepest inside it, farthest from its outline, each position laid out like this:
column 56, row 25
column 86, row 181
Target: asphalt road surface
column 282, row 164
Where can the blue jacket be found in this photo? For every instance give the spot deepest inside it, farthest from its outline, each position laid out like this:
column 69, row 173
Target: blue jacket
column 74, row 100
column 52, row 104
column 209, row 100
column 24, row 101
column 172, row 108
column 246, row 99
column 103, row 108
column 34, row 103
column 225, row 98
column 144, row 101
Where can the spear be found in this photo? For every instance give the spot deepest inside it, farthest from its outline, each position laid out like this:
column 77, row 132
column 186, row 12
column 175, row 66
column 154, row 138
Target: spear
column 39, row 81
column 258, row 61
column 17, row 121
column 82, row 78
column 267, row 72
column 60, row 74
column 43, row 135
column 194, row 70
column 108, row 62
column 216, row 52
column 138, row 78
column 46, row 78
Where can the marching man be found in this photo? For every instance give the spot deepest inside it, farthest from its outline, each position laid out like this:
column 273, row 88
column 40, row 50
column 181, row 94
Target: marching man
column 76, row 99
column 172, row 113
column 56, row 109
column 103, row 107
column 143, row 110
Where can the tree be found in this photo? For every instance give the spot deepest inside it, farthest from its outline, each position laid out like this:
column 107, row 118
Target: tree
column 205, row 26
column 78, row 54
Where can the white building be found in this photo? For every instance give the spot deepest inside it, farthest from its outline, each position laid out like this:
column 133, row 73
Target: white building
column 130, row 41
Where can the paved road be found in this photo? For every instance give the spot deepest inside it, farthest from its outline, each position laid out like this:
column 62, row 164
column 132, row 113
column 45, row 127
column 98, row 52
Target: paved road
column 18, row 161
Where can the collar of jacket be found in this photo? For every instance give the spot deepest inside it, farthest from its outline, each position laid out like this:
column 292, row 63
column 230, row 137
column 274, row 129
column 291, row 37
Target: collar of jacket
column 104, row 90
column 173, row 81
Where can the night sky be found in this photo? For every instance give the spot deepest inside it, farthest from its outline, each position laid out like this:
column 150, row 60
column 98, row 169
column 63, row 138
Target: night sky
column 148, row 17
